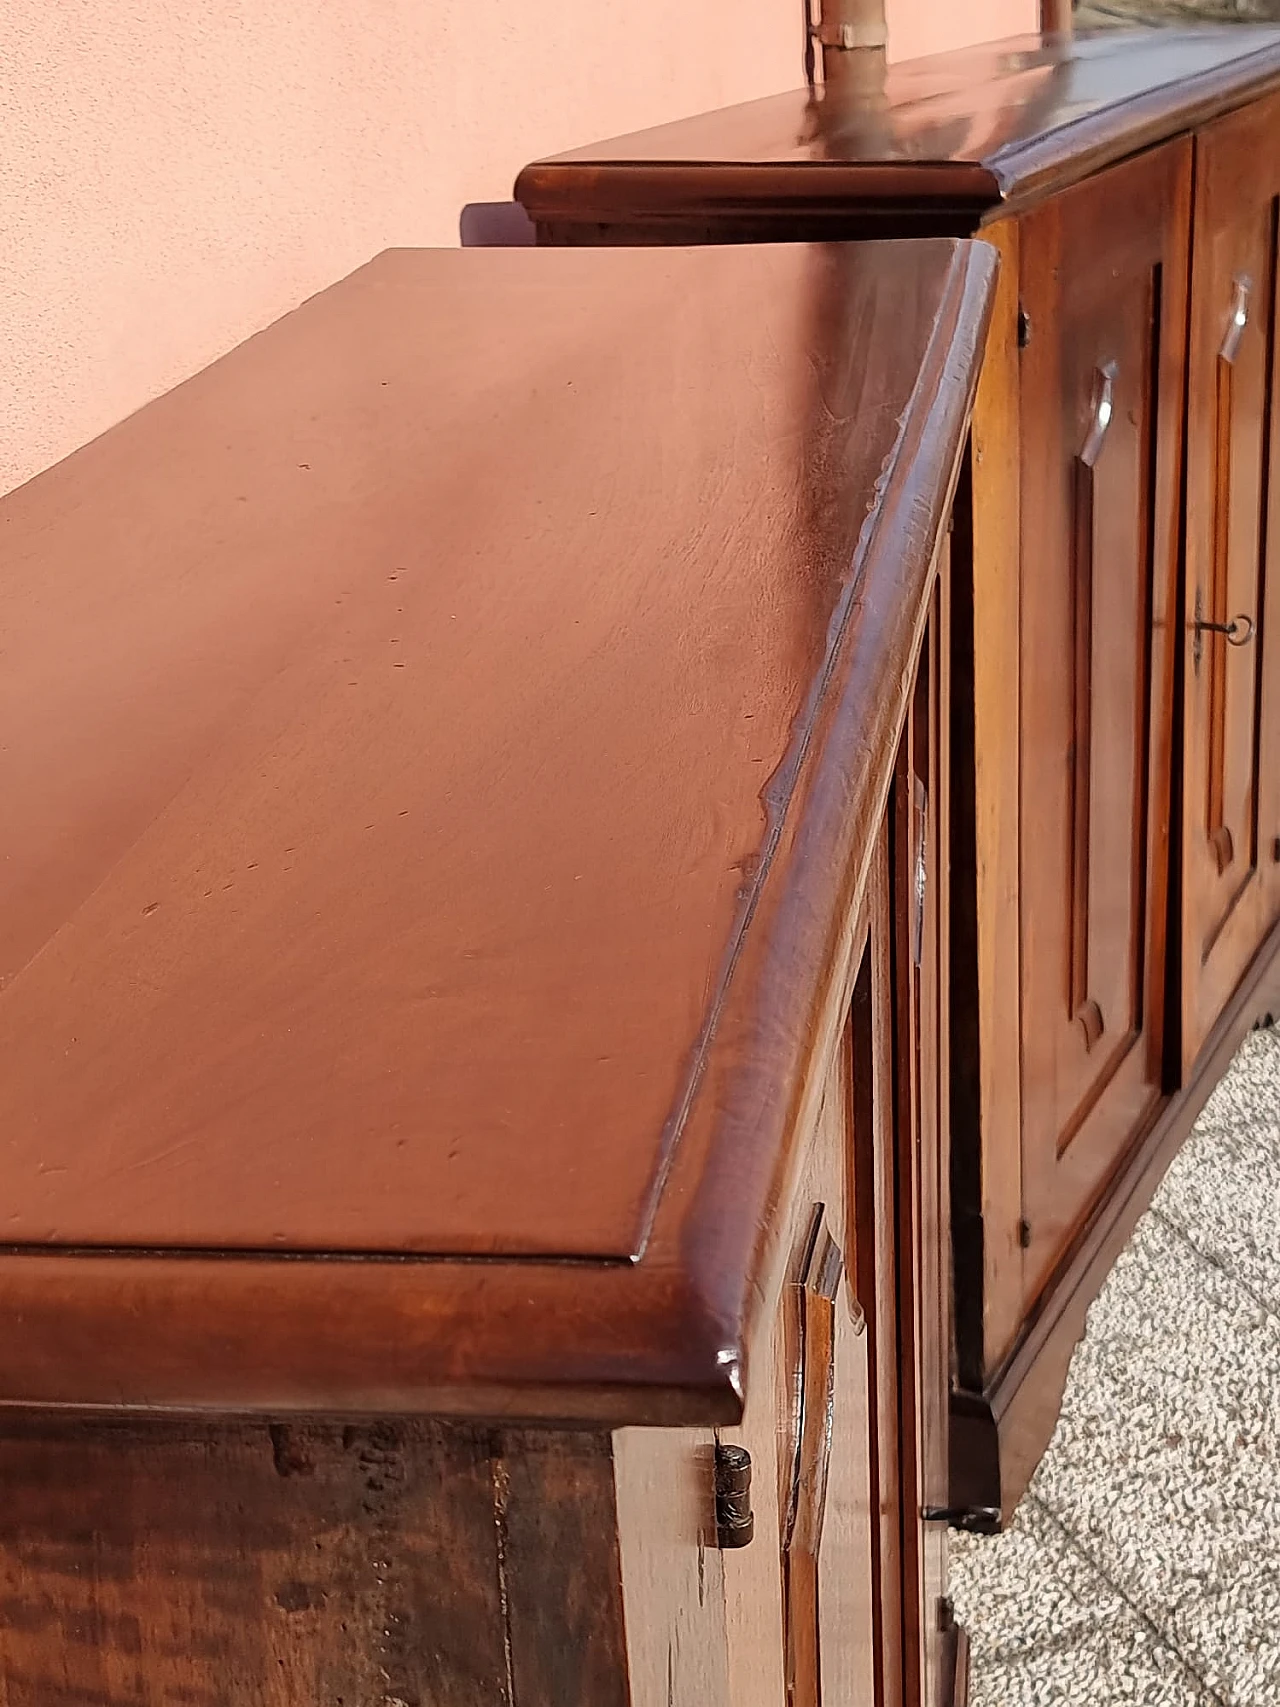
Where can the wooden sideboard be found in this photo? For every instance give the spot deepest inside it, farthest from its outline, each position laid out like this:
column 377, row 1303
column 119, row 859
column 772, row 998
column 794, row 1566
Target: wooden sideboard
column 1116, row 666
column 473, row 998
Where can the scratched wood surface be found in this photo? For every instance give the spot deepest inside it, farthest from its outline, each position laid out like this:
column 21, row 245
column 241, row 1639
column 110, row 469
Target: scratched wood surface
column 382, row 1565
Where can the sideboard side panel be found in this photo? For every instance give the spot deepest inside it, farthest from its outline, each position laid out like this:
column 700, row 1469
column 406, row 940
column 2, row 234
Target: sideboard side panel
column 987, row 1091
column 152, row 1562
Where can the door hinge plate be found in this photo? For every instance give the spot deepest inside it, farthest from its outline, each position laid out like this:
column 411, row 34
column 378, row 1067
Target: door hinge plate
column 735, row 1521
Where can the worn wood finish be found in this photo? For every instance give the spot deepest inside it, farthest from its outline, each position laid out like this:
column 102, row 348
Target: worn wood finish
column 960, row 139
column 741, row 514
column 144, row 1564
column 1102, row 399
column 682, row 1648
column 1231, row 787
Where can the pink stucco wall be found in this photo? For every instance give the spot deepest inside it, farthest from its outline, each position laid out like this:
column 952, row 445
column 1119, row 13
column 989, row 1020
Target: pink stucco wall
column 177, row 173
column 932, row 26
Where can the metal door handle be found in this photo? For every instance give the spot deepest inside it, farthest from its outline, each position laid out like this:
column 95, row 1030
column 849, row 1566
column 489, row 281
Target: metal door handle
column 1104, row 408
column 1241, row 288
column 972, row 1519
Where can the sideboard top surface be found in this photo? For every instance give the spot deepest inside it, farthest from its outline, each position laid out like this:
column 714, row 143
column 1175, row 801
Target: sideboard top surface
column 974, row 131
column 410, row 726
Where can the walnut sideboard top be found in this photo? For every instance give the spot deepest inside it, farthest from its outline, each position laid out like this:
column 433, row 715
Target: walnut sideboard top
column 440, row 741
column 955, row 140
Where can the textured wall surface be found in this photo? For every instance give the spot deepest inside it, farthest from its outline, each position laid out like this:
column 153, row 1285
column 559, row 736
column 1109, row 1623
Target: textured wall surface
column 175, row 175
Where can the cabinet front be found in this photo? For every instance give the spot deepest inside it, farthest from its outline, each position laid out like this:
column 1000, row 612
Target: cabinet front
column 921, row 917
column 1231, row 615
column 1103, row 298
column 839, row 1600
column 813, row 1600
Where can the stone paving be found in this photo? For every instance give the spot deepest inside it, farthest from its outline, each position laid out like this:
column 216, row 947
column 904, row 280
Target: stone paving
column 1143, row 1566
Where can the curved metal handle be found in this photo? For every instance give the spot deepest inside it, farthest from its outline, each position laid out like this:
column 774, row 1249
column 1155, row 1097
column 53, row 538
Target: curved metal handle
column 1104, row 408
column 1242, row 287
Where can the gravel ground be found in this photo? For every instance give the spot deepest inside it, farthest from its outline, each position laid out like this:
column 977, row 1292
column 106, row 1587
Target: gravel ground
column 1143, row 1566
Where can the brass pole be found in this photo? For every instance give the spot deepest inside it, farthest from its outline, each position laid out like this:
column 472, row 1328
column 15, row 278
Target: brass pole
column 1056, row 15
column 853, row 35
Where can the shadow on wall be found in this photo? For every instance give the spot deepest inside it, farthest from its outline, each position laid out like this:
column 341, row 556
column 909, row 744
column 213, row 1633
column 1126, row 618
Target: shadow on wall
column 495, row 225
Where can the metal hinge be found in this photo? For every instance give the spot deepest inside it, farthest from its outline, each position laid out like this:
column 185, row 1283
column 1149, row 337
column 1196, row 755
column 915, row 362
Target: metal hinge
column 973, row 1519
column 735, row 1521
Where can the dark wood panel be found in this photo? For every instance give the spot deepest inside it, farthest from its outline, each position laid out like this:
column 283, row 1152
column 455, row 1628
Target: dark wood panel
column 953, row 139
column 157, row 1564
column 828, row 1522
column 1102, row 396
column 1231, row 797
column 920, row 821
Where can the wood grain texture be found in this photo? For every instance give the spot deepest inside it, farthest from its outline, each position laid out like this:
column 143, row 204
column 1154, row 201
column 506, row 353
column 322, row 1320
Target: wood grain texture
column 985, row 1009
column 753, row 1575
column 828, row 1576
column 249, row 1067
column 1101, row 471
column 339, row 896
column 397, row 1564
column 918, row 877
column 1231, row 783
column 960, row 138
column 998, row 1437
column 681, row 1646
column 875, row 1195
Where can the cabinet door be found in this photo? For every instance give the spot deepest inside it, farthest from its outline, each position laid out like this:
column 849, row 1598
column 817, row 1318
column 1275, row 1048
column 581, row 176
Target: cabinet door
column 811, row 1600
column 840, row 1597
column 1231, row 800
column 921, row 965
column 1103, row 286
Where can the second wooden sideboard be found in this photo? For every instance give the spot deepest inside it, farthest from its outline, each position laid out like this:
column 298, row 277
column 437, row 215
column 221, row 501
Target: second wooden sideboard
column 1116, row 707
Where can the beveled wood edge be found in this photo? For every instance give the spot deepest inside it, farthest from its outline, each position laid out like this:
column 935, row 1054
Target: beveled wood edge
column 660, row 1341
column 1036, row 1368
column 603, row 192
column 1029, row 171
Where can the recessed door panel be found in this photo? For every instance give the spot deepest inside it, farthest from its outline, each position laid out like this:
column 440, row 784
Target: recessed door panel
column 1231, row 803
column 1103, row 292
